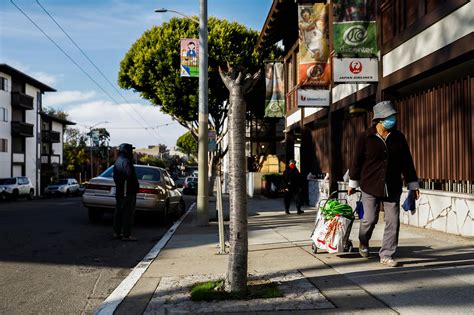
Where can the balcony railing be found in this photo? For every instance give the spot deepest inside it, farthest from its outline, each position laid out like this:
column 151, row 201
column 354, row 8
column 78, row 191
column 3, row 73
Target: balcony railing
column 22, row 101
column 50, row 158
column 50, row 136
column 22, row 129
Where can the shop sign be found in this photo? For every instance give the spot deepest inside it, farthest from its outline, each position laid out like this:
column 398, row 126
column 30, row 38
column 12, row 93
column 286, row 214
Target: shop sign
column 348, row 70
column 313, row 98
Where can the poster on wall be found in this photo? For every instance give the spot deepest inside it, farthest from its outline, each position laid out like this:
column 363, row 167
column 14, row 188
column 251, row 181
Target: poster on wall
column 275, row 90
column 349, row 70
column 313, row 98
column 355, row 28
column 314, row 45
column 189, row 55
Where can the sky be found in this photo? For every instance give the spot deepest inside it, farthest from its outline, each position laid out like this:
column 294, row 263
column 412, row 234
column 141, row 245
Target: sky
column 104, row 30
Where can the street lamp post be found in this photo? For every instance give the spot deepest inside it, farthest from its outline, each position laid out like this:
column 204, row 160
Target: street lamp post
column 203, row 168
column 90, row 135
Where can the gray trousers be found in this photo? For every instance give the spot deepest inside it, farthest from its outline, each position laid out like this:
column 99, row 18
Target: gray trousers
column 391, row 206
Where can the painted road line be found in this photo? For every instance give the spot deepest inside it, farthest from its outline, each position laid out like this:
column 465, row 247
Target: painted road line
column 111, row 303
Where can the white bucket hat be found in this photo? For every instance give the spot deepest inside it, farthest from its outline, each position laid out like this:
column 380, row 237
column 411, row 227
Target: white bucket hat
column 383, row 110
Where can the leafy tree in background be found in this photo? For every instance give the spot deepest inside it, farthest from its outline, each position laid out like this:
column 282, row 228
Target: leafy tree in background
column 75, row 155
column 188, row 145
column 152, row 68
column 152, row 161
column 58, row 113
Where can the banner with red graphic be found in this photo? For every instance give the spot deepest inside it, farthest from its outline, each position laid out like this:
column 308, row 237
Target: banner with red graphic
column 314, row 69
column 347, row 70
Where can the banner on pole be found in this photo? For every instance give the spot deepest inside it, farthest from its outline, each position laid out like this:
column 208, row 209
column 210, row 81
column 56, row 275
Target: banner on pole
column 355, row 70
column 212, row 141
column 313, row 98
column 355, row 31
column 314, row 45
column 189, row 54
column 275, row 90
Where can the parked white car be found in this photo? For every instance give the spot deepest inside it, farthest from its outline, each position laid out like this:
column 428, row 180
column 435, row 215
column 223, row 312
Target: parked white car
column 17, row 187
column 64, row 186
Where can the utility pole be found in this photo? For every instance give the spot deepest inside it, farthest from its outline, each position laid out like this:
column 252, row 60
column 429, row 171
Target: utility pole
column 203, row 180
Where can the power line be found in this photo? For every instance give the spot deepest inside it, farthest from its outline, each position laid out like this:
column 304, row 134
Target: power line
column 62, row 50
column 74, row 62
column 90, row 61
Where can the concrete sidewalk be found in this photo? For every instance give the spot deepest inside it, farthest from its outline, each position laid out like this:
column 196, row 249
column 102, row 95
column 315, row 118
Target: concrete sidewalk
column 437, row 275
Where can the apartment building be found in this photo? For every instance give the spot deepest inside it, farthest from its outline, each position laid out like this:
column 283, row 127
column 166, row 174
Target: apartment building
column 31, row 141
column 425, row 66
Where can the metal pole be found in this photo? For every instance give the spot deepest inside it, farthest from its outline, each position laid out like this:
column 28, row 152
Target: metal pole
column 220, row 216
column 203, row 196
column 90, row 133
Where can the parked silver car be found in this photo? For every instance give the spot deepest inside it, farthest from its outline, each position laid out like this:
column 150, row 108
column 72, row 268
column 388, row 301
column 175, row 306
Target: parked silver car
column 64, row 186
column 157, row 193
column 16, row 187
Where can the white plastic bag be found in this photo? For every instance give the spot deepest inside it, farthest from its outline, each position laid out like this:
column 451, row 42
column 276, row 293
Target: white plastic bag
column 336, row 230
column 320, row 231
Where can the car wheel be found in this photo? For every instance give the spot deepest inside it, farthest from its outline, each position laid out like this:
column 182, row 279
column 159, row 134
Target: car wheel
column 68, row 193
column 95, row 215
column 31, row 194
column 15, row 195
column 3, row 196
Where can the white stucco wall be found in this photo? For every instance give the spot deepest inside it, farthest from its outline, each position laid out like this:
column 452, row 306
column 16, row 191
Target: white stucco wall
column 5, row 129
column 451, row 28
column 344, row 90
column 293, row 118
column 31, row 145
column 58, row 147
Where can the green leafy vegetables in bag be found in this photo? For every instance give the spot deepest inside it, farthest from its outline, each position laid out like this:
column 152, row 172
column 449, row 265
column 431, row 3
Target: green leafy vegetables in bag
column 333, row 208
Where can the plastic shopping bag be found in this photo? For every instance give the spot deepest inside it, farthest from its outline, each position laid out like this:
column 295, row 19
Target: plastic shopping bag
column 336, row 230
column 320, row 232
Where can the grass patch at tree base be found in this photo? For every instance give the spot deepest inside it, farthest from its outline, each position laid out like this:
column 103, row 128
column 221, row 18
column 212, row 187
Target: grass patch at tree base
column 214, row 291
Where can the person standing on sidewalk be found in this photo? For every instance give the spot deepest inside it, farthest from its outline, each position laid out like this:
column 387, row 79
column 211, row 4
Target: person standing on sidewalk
column 380, row 159
column 126, row 184
column 292, row 186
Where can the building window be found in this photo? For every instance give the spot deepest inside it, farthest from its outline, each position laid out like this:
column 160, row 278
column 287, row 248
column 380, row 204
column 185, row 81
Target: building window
column 3, row 84
column 3, row 145
column 3, row 114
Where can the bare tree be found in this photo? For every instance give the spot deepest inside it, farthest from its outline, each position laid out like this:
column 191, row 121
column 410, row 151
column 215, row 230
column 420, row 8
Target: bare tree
column 239, row 83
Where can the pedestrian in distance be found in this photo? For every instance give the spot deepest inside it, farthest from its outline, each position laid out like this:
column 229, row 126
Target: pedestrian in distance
column 292, row 187
column 381, row 158
column 126, row 184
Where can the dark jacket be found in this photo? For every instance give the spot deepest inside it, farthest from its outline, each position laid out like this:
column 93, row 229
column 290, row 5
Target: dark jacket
column 124, row 171
column 379, row 165
column 292, row 179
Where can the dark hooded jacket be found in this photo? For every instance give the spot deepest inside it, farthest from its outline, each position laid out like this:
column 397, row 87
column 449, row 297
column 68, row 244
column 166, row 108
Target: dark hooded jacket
column 125, row 177
column 292, row 179
column 379, row 166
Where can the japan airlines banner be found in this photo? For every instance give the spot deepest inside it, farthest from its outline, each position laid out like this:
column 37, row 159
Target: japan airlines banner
column 349, row 70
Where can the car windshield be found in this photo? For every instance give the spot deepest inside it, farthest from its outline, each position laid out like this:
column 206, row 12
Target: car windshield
column 60, row 182
column 144, row 173
column 7, row 181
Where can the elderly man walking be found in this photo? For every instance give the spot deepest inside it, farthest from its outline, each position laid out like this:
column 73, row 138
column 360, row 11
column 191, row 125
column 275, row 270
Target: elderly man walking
column 380, row 159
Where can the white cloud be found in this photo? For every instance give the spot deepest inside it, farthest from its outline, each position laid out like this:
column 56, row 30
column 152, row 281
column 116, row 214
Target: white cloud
column 44, row 77
column 65, row 97
column 122, row 120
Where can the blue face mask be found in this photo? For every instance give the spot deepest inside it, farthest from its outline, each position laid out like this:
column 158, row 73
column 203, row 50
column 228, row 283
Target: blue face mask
column 389, row 122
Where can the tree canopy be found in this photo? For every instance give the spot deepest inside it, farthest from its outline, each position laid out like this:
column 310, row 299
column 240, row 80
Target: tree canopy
column 152, row 67
column 187, row 144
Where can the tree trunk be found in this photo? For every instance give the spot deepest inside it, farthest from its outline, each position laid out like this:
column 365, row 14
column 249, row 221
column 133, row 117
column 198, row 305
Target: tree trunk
column 238, row 84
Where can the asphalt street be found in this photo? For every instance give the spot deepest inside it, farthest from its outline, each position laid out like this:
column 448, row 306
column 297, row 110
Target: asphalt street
column 53, row 260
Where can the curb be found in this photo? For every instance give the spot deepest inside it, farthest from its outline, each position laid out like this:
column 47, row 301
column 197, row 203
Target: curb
column 111, row 303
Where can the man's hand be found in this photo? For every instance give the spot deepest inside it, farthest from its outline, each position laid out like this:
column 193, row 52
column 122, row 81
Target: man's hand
column 350, row 191
column 417, row 194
